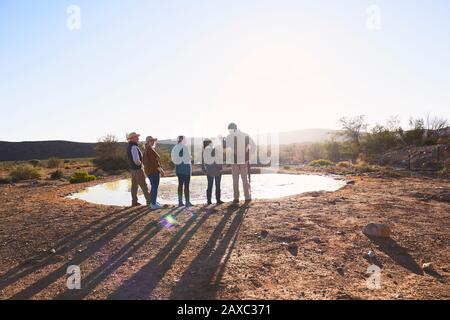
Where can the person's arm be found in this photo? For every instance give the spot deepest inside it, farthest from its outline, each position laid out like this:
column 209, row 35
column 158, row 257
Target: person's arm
column 135, row 155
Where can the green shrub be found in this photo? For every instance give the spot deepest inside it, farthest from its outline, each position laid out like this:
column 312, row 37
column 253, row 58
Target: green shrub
column 25, row 172
column 54, row 162
column 56, row 175
column 344, row 164
column 111, row 155
column 81, row 176
column 321, row 163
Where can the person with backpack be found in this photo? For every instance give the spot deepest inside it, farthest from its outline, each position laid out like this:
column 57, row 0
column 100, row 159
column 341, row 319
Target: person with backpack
column 183, row 169
column 213, row 171
column 239, row 147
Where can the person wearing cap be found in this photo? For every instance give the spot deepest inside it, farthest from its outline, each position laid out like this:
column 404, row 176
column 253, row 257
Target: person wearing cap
column 137, row 173
column 239, row 145
column 153, row 170
column 183, row 169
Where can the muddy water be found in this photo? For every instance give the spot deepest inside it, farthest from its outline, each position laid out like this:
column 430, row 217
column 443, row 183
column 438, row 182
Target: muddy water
column 264, row 186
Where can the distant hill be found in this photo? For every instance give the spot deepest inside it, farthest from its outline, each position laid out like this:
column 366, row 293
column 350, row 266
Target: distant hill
column 17, row 151
column 14, row 151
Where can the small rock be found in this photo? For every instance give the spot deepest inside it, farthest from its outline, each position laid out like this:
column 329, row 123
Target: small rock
column 428, row 266
column 316, row 239
column 340, row 233
column 340, row 270
column 53, row 251
column 445, row 269
column 350, row 182
column 371, row 254
column 377, row 230
column 293, row 248
column 264, row 233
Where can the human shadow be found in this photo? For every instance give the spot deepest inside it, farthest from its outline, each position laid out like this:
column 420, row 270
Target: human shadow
column 120, row 257
column 65, row 245
column 201, row 279
column 92, row 247
column 144, row 282
column 397, row 253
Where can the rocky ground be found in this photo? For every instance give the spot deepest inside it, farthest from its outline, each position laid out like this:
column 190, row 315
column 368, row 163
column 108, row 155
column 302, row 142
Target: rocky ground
column 309, row 246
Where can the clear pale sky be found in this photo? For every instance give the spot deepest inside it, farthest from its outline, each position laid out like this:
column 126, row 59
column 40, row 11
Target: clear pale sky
column 165, row 68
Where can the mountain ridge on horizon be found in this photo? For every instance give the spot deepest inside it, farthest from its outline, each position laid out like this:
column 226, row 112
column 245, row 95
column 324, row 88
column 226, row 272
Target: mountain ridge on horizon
column 28, row 150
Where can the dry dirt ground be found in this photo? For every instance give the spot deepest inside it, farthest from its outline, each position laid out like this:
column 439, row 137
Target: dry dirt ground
column 301, row 247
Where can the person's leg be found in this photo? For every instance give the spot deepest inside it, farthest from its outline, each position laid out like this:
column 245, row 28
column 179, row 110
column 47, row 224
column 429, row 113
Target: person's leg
column 186, row 190
column 134, row 188
column 209, row 189
column 218, row 179
column 154, row 182
column 235, row 175
column 245, row 184
column 143, row 184
column 180, row 190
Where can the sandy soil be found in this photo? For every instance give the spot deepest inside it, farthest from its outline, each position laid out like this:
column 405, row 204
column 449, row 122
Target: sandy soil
column 302, row 247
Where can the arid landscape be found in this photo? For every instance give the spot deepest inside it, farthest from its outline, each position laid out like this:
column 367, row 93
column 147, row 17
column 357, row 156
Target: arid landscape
column 309, row 246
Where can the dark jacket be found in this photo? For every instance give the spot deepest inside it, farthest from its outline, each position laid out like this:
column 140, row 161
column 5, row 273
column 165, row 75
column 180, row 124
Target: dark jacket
column 213, row 169
column 152, row 161
column 133, row 165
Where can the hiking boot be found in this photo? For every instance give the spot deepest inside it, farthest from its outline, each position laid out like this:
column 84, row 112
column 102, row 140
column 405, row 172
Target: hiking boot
column 155, row 206
column 188, row 204
column 136, row 204
column 219, row 202
column 236, row 201
column 180, row 204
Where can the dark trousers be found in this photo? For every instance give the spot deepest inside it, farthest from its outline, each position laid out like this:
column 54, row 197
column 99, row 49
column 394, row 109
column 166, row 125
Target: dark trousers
column 154, row 183
column 211, row 180
column 183, row 181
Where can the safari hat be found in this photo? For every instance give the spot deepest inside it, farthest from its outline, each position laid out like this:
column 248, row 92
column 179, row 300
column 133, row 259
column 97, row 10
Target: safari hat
column 150, row 139
column 132, row 135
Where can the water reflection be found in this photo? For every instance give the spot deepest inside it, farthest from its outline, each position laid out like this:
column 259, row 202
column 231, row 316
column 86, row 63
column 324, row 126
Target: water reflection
column 264, row 186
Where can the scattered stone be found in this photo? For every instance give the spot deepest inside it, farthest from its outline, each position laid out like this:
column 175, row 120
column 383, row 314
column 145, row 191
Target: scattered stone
column 377, row 230
column 371, row 254
column 293, row 248
column 316, row 239
column 53, row 251
column 264, row 233
column 350, row 182
column 445, row 269
column 428, row 266
column 340, row 270
column 340, row 233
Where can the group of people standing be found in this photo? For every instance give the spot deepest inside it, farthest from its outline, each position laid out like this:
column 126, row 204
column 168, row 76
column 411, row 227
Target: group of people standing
column 148, row 164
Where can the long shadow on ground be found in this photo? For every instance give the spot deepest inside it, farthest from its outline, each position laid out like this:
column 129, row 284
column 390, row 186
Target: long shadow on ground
column 119, row 258
column 72, row 241
column 201, row 279
column 144, row 282
column 92, row 247
column 397, row 253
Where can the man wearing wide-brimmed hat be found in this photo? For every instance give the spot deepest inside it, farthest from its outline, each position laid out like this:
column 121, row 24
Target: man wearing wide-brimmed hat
column 137, row 172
